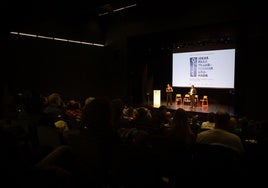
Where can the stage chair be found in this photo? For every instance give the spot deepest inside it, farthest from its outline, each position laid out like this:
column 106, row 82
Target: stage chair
column 196, row 100
column 186, row 99
column 205, row 101
column 178, row 99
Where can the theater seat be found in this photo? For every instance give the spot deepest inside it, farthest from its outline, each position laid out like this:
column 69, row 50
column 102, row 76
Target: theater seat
column 178, row 99
column 186, row 99
column 196, row 100
column 205, row 101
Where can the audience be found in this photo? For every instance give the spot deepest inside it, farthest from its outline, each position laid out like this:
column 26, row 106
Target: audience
column 95, row 142
column 221, row 135
column 162, row 116
column 111, row 142
column 118, row 120
column 234, row 127
column 55, row 109
column 209, row 123
column 180, row 131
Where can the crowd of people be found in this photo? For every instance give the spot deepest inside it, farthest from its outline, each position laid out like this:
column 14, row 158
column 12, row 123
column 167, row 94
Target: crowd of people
column 104, row 142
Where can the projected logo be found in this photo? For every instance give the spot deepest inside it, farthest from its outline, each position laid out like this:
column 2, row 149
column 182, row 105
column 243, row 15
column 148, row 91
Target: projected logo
column 193, row 66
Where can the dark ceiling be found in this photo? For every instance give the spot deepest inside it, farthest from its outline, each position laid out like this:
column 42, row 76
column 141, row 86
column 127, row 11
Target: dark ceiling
column 61, row 18
column 80, row 19
column 21, row 14
column 59, row 11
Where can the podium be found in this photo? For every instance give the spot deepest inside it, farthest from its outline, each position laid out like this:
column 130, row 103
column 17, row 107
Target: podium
column 157, row 98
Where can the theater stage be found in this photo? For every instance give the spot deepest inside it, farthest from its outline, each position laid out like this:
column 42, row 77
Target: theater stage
column 199, row 109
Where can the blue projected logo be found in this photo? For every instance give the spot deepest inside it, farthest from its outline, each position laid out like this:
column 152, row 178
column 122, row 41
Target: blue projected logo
column 193, row 66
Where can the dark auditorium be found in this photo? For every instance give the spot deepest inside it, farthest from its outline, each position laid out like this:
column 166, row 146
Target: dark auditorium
column 83, row 99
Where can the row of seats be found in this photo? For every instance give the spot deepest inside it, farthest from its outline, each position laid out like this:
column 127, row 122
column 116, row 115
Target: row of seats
column 179, row 100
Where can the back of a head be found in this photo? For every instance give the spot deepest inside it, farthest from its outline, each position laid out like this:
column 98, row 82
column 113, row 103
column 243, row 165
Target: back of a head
column 222, row 119
column 162, row 108
column 97, row 113
column 142, row 112
column 180, row 117
column 89, row 99
column 233, row 123
column 54, row 99
column 117, row 105
column 181, row 130
column 211, row 117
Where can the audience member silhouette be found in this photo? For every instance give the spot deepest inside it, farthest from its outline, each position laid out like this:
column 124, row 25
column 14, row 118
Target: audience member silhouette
column 162, row 116
column 180, row 131
column 118, row 120
column 94, row 143
column 143, row 119
column 174, row 150
column 30, row 117
column 234, row 127
column 220, row 135
column 54, row 111
column 209, row 123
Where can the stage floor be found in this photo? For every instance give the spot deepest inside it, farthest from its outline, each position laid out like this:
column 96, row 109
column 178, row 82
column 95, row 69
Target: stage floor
column 199, row 108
